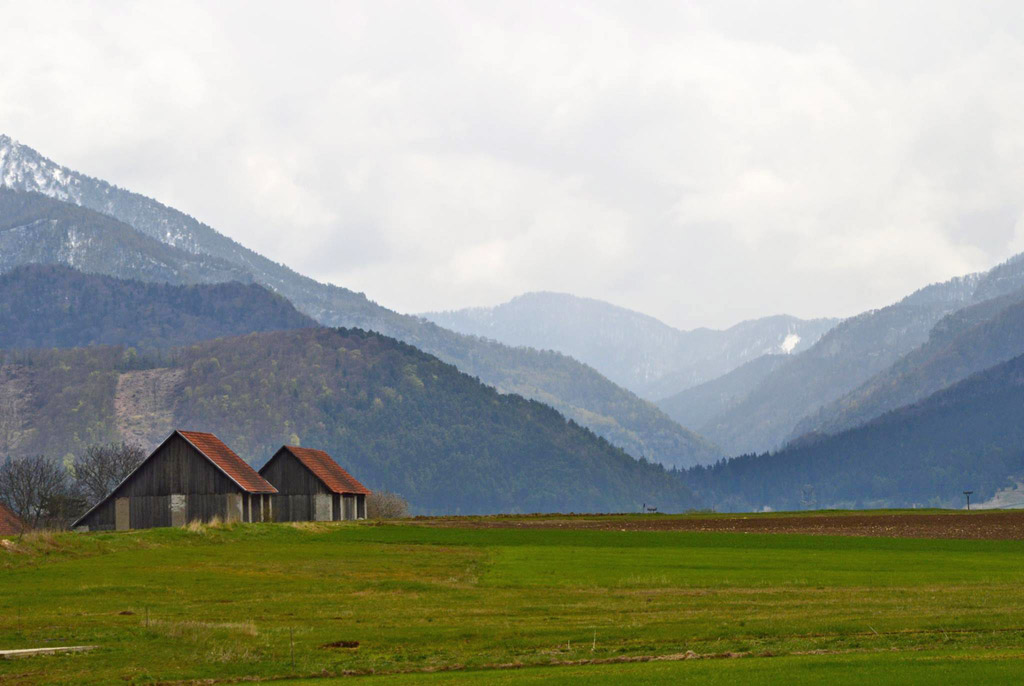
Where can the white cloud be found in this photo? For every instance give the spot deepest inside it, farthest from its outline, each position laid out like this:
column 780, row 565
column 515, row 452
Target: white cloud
column 702, row 162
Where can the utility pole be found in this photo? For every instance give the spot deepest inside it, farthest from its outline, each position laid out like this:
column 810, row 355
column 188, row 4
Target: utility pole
column 968, row 494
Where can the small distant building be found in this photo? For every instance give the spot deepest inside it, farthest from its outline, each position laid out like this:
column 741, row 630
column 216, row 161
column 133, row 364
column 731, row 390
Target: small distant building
column 191, row 476
column 10, row 525
column 312, row 487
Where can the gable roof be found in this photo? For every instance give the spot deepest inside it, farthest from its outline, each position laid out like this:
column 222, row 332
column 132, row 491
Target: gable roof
column 10, row 525
column 323, row 466
column 214, row 450
column 225, row 459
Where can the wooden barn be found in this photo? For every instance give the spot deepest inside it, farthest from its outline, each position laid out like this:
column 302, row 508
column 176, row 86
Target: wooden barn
column 10, row 525
column 192, row 476
column 312, row 487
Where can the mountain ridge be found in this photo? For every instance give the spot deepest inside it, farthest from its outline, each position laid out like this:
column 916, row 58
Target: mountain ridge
column 633, row 349
column 962, row 343
column 53, row 306
column 846, row 357
column 612, row 412
column 968, row 436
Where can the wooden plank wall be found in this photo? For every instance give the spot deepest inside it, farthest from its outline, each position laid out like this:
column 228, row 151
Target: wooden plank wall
column 176, row 468
column 102, row 518
column 293, row 508
column 145, row 511
column 204, row 507
column 295, row 485
column 290, row 477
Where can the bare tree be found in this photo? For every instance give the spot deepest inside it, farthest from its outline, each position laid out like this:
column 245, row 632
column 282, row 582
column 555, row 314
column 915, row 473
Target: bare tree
column 105, row 466
column 386, row 505
column 37, row 489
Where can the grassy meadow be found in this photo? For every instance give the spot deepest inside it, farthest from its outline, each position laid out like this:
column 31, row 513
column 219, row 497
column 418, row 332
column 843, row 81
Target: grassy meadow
column 413, row 603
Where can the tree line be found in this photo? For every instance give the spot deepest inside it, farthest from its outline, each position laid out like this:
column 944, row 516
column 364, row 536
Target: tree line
column 46, row 493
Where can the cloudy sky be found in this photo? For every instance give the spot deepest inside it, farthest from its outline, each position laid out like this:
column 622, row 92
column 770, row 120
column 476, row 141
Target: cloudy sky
column 701, row 162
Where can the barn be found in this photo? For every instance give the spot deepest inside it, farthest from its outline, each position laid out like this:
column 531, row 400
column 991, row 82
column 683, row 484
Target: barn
column 312, row 487
column 10, row 525
column 191, row 476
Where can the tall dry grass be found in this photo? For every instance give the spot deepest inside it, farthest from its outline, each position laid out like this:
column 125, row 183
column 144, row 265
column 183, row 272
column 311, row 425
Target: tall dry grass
column 217, row 523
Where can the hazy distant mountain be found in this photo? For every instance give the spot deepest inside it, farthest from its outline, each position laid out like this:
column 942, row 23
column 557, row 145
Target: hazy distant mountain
column 698, row 405
column 634, row 350
column 846, row 357
column 176, row 248
column 963, row 343
column 59, row 307
column 396, row 417
column 969, row 436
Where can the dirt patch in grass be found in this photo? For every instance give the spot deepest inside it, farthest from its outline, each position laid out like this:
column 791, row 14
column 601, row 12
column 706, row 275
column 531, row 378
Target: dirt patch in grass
column 974, row 525
column 341, row 644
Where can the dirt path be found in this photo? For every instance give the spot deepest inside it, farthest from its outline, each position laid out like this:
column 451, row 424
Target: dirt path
column 975, row 525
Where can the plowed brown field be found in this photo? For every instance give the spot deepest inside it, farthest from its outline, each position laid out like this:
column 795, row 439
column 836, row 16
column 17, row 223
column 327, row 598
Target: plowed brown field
column 976, row 525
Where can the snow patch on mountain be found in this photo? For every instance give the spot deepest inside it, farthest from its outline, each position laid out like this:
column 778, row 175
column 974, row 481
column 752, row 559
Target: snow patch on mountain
column 23, row 169
column 790, row 343
column 647, row 356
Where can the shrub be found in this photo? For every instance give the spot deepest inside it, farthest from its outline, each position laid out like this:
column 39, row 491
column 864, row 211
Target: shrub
column 386, row 505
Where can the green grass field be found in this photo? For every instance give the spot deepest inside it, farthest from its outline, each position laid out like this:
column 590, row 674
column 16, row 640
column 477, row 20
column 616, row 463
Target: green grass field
column 442, row 605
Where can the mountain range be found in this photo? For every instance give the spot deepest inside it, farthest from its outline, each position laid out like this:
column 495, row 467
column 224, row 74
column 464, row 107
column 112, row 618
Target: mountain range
column 777, row 406
column 969, row 436
column 770, row 380
column 52, row 214
column 960, row 344
column 399, row 418
column 636, row 351
column 122, row 317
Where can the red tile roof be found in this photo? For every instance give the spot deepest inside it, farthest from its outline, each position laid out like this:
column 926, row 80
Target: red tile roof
column 327, row 470
column 231, row 464
column 10, row 525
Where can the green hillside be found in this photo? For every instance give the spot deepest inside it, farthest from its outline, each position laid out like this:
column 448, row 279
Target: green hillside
column 398, row 418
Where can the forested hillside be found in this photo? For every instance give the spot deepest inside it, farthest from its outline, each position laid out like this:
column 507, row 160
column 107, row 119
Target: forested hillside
column 634, row 350
column 967, row 341
column 59, row 307
column 967, row 437
column 168, row 245
column 845, row 357
column 398, row 418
